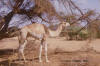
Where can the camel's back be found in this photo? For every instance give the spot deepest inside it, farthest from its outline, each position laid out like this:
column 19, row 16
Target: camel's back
column 35, row 27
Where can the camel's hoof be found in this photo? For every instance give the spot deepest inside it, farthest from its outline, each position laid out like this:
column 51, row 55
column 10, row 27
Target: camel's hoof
column 40, row 61
column 25, row 61
column 47, row 61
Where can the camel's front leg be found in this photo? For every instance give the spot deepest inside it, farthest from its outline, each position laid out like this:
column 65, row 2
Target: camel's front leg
column 46, row 56
column 40, row 53
column 21, row 50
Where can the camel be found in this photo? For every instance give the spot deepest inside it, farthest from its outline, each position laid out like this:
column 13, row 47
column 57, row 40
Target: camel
column 40, row 32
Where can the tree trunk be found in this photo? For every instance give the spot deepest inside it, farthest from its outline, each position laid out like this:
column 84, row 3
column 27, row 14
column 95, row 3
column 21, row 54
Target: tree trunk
column 7, row 21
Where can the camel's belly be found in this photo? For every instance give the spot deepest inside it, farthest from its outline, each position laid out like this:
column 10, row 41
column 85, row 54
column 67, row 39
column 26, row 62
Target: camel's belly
column 36, row 36
column 53, row 34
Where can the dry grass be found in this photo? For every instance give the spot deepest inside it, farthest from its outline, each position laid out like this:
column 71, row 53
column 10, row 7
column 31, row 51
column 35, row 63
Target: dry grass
column 56, row 59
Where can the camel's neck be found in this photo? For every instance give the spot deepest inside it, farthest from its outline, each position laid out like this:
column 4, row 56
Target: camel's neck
column 56, row 32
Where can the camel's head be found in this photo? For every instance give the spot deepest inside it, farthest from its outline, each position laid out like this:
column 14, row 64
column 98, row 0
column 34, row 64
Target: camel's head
column 65, row 24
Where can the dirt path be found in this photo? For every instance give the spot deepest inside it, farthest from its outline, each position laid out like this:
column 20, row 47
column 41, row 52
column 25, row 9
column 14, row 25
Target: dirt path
column 62, row 59
column 61, row 53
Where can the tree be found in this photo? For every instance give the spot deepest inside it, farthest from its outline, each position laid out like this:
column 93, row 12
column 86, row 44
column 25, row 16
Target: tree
column 44, row 6
column 40, row 7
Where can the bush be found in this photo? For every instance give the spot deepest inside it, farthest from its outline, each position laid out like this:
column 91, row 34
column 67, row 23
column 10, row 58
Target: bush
column 13, row 31
column 84, row 34
column 71, row 33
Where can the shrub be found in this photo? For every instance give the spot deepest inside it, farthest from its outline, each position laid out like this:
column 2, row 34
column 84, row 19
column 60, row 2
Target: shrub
column 13, row 31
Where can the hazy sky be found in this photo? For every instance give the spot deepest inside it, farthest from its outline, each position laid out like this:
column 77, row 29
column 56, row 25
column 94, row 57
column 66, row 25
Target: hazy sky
column 90, row 4
column 83, row 4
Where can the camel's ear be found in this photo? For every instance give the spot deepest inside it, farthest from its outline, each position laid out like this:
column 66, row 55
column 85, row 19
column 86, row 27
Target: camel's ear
column 67, row 24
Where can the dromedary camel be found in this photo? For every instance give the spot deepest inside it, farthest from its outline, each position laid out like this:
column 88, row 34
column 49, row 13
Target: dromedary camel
column 40, row 32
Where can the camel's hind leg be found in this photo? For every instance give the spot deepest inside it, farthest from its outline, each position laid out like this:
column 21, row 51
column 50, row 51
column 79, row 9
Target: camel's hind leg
column 21, row 50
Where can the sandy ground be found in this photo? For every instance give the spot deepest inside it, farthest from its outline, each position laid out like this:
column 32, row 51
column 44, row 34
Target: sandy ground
column 61, row 53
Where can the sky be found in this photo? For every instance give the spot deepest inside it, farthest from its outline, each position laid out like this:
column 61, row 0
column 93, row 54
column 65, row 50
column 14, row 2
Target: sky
column 89, row 4
column 83, row 4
